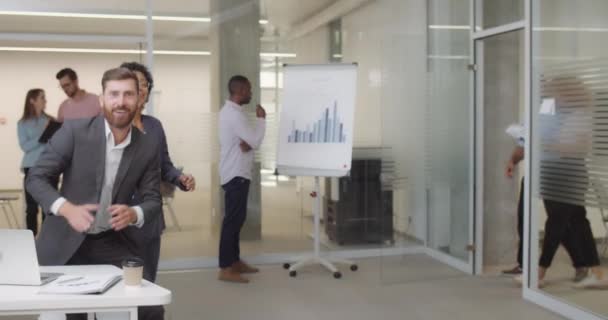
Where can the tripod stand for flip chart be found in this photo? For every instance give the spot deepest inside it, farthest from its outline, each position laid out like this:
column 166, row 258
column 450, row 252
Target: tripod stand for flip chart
column 316, row 258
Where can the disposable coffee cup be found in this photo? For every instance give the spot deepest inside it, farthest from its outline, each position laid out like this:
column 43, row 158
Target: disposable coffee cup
column 133, row 270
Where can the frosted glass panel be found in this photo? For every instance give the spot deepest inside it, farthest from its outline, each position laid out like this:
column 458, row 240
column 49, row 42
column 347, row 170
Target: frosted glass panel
column 449, row 121
column 570, row 95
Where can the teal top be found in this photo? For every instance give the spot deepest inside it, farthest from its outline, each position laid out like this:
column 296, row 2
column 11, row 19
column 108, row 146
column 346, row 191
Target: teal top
column 29, row 131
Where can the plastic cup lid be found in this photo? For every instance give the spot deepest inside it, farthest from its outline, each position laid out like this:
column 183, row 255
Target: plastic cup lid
column 133, row 262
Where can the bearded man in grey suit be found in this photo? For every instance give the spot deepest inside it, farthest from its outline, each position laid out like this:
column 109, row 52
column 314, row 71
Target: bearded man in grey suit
column 103, row 161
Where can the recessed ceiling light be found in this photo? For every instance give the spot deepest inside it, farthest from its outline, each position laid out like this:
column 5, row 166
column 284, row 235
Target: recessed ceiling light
column 113, row 51
column 449, row 27
column 129, row 51
column 567, row 29
column 277, row 55
column 108, row 16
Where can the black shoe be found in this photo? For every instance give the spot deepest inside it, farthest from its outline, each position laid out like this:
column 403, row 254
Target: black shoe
column 514, row 271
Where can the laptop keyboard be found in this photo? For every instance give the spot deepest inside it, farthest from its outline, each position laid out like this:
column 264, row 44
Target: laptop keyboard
column 48, row 276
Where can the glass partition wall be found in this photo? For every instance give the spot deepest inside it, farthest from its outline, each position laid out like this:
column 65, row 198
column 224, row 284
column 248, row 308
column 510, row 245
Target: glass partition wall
column 390, row 215
column 567, row 204
column 449, row 136
column 438, row 82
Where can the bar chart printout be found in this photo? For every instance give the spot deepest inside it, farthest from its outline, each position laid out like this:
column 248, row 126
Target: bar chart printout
column 327, row 129
column 317, row 119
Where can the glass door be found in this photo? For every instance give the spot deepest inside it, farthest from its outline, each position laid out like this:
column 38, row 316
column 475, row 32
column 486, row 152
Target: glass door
column 440, row 206
column 449, row 190
column 499, row 100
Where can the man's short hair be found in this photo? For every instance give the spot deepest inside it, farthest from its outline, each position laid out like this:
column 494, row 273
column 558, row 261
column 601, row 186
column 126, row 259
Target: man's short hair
column 118, row 74
column 67, row 72
column 236, row 82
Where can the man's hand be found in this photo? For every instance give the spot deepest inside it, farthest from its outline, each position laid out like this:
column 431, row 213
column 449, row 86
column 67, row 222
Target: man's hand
column 516, row 156
column 260, row 112
column 187, row 180
column 244, row 146
column 122, row 216
column 79, row 217
column 510, row 169
column 2, row 120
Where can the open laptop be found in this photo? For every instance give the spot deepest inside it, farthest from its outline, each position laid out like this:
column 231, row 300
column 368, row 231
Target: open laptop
column 18, row 260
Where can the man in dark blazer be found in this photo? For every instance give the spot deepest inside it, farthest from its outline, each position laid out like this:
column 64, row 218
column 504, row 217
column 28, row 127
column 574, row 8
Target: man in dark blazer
column 103, row 161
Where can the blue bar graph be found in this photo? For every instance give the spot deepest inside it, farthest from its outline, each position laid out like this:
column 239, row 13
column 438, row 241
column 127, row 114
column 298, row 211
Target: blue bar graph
column 328, row 129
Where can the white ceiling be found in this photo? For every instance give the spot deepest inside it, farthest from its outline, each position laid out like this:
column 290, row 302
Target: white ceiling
column 28, row 24
column 282, row 14
column 286, row 13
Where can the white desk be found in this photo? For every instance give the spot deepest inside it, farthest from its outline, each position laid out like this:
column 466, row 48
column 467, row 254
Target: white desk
column 25, row 300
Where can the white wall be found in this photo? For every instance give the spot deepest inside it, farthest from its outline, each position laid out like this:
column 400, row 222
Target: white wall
column 387, row 38
column 183, row 106
column 312, row 48
column 23, row 71
column 182, row 81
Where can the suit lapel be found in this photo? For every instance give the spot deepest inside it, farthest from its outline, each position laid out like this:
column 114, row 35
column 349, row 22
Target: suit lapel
column 125, row 162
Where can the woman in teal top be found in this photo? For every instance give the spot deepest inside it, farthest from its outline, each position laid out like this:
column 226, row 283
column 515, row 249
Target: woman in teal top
column 29, row 129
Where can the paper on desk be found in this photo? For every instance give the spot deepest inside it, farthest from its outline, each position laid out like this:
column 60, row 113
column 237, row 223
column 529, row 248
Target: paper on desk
column 70, row 284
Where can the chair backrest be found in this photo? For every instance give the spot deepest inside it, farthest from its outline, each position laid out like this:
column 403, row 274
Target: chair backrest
column 6, row 197
column 167, row 190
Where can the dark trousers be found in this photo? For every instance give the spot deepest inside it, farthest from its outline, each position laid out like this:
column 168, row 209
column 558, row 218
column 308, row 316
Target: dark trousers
column 151, row 253
column 151, row 256
column 109, row 248
column 235, row 202
column 567, row 224
column 520, row 225
column 568, row 242
column 31, row 208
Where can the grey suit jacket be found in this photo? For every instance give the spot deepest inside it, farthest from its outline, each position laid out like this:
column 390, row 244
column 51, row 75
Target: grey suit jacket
column 77, row 151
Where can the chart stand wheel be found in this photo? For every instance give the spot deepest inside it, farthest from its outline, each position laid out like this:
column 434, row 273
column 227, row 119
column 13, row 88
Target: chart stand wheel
column 329, row 263
column 354, row 267
column 293, row 274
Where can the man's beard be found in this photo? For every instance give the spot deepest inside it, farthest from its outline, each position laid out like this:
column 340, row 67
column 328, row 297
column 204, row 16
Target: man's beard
column 119, row 121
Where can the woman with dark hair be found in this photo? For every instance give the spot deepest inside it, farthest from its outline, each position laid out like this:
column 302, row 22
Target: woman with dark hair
column 169, row 173
column 29, row 129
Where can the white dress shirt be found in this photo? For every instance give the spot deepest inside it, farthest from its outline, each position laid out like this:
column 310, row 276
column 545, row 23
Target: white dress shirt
column 234, row 128
column 518, row 132
column 113, row 157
